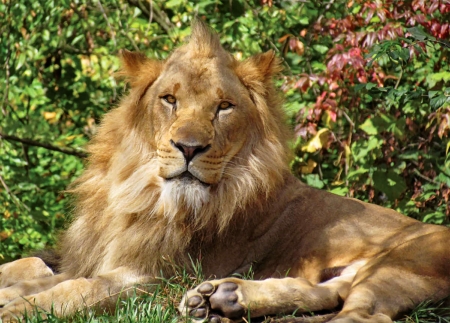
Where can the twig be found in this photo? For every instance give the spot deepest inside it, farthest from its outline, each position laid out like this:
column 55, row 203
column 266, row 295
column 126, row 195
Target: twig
column 13, row 197
column 30, row 142
column 150, row 16
column 399, row 78
column 416, row 171
column 136, row 48
column 112, row 32
column 160, row 17
column 8, row 56
column 348, row 119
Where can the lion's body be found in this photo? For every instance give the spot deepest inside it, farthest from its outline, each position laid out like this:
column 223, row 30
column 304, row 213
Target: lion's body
column 193, row 164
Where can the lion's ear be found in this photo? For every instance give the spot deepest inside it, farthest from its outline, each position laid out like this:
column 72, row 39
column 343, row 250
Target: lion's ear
column 138, row 69
column 259, row 69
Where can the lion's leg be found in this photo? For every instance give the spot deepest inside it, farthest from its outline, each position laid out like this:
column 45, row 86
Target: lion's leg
column 72, row 295
column 29, row 287
column 23, row 269
column 396, row 282
column 235, row 298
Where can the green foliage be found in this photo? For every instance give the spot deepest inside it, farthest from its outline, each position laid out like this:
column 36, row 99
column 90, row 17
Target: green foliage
column 367, row 93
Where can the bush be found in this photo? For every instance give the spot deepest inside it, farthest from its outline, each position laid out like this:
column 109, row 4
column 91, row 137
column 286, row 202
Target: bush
column 366, row 83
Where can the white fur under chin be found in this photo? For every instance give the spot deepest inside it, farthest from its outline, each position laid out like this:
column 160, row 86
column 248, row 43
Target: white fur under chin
column 194, row 195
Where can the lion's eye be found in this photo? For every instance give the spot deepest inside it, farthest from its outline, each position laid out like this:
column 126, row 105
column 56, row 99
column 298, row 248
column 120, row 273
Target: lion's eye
column 170, row 99
column 225, row 105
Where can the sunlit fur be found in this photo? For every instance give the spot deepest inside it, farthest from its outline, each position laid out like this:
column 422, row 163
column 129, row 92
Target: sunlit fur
column 126, row 214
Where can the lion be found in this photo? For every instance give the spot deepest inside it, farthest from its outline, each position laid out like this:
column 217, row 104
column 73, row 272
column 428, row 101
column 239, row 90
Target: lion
column 194, row 163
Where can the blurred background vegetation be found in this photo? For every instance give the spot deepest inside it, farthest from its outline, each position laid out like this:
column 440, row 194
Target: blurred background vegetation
column 367, row 86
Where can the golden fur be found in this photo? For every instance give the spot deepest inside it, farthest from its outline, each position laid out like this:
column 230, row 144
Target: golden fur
column 194, row 163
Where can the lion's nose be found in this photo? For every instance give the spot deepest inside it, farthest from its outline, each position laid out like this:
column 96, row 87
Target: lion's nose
column 189, row 152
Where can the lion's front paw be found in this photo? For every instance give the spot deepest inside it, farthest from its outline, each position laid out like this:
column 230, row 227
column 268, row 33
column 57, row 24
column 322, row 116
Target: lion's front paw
column 214, row 301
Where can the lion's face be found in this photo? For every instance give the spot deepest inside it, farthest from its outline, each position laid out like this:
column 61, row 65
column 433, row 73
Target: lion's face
column 199, row 113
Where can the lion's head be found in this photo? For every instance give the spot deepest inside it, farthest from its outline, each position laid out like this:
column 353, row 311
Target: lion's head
column 199, row 139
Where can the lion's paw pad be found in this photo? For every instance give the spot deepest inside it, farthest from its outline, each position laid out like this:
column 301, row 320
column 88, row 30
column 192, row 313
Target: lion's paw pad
column 225, row 301
column 209, row 303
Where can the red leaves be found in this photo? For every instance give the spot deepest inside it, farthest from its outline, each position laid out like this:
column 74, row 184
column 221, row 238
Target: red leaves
column 437, row 29
column 293, row 43
column 378, row 8
column 267, row 2
column 303, row 83
column 347, row 66
column 352, row 38
column 430, row 6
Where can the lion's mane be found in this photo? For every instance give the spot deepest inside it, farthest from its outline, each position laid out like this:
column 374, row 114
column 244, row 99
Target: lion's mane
column 123, row 216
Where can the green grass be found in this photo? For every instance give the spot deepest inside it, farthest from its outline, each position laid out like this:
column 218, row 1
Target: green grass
column 429, row 312
column 156, row 307
column 160, row 307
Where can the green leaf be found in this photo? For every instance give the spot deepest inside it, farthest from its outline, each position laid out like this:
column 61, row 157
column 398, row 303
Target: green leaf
column 314, row 181
column 21, row 60
column 375, row 125
column 357, row 172
column 404, row 54
column 77, row 39
column 438, row 101
column 419, row 34
column 318, row 66
column 389, row 183
column 370, row 86
column 321, row 48
column 173, row 3
column 363, row 149
column 432, row 94
column 359, row 87
column 341, row 190
column 303, row 20
column 138, row 11
column 369, row 127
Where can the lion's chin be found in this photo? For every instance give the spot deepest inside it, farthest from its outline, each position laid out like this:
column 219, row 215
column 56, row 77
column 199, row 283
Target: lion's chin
column 186, row 178
column 184, row 189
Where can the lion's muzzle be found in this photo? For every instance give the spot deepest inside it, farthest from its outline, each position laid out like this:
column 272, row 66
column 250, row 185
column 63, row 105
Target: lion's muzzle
column 190, row 151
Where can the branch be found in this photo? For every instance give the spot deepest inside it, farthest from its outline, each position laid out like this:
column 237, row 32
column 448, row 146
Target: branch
column 159, row 15
column 13, row 197
column 8, row 56
column 112, row 32
column 67, row 151
column 416, row 171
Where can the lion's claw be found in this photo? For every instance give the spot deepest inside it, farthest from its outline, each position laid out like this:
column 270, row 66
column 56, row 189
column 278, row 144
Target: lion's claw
column 194, row 301
column 211, row 302
column 200, row 312
column 206, row 289
column 214, row 319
